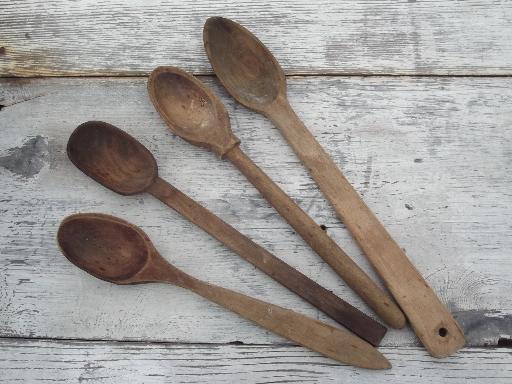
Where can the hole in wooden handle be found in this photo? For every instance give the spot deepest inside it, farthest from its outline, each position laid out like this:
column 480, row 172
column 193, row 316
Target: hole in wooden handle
column 442, row 331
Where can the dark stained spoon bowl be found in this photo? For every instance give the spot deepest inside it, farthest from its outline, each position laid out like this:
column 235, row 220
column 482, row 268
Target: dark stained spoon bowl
column 112, row 158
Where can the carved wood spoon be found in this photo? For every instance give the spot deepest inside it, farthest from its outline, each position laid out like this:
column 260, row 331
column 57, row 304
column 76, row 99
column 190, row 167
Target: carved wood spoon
column 195, row 113
column 254, row 78
column 114, row 250
column 119, row 162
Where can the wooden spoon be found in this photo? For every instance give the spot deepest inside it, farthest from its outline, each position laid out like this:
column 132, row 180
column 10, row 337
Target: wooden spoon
column 114, row 250
column 253, row 77
column 193, row 112
column 119, row 162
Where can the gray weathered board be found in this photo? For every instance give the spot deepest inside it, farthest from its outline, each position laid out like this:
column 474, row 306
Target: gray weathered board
column 432, row 155
column 322, row 36
column 152, row 363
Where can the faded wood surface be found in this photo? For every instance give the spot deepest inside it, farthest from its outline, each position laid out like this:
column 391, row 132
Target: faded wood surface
column 71, row 361
column 431, row 156
column 41, row 38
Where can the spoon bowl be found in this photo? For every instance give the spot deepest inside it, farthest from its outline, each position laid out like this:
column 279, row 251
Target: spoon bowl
column 243, row 64
column 190, row 109
column 112, row 157
column 104, row 246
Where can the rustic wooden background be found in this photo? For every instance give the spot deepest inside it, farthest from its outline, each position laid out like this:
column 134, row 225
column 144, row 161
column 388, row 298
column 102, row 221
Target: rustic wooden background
column 413, row 99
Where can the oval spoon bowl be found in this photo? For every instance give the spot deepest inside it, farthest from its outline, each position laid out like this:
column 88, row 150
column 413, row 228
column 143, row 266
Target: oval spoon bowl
column 243, row 64
column 190, row 109
column 112, row 157
column 108, row 248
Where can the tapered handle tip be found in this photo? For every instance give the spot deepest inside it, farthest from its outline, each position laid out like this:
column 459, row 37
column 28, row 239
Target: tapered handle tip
column 372, row 359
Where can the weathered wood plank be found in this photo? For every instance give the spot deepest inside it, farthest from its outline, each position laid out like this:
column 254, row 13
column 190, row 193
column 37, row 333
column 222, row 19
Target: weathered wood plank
column 432, row 157
column 108, row 362
column 41, row 38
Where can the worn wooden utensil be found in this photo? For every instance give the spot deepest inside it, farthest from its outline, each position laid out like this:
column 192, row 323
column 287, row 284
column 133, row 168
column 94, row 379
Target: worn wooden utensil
column 253, row 77
column 119, row 162
column 114, row 250
column 193, row 112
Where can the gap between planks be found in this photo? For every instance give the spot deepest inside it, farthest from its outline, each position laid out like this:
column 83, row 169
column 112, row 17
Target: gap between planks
column 212, row 344
column 136, row 75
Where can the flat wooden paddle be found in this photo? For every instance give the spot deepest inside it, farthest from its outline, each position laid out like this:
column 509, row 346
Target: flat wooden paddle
column 253, row 77
column 119, row 162
column 114, row 250
column 193, row 112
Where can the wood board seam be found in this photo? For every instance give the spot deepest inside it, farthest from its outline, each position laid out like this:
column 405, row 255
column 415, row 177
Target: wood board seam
column 499, row 345
column 288, row 75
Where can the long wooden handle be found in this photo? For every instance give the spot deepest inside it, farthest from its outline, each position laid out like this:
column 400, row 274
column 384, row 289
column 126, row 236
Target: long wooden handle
column 319, row 241
column 292, row 279
column 432, row 322
column 313, row 334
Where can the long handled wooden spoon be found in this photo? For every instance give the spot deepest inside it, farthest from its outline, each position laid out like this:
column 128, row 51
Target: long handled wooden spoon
column 114, row 250
column 253, row 77
column 194, row 113
column 119, row 162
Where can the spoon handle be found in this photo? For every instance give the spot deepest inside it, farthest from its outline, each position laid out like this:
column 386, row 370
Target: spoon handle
column 313, row 334
column 323, row 299
column 432, row 322
column 319, row 241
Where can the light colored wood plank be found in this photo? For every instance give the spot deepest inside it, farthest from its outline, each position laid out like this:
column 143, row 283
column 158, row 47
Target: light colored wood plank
column 431, row 156
column 132, row 37
column 108, row 362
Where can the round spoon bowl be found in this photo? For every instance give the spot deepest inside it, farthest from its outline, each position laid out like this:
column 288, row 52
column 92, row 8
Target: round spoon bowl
column 112, row 157
column 104, row 246
column 243, row 64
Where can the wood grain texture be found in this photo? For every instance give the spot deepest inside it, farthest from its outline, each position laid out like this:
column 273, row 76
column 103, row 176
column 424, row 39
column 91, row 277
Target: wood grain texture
column 320, row 242
column 101, row 362
column 40, row 38
column 431, row 321
column 431, row 156
column 320, row 297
